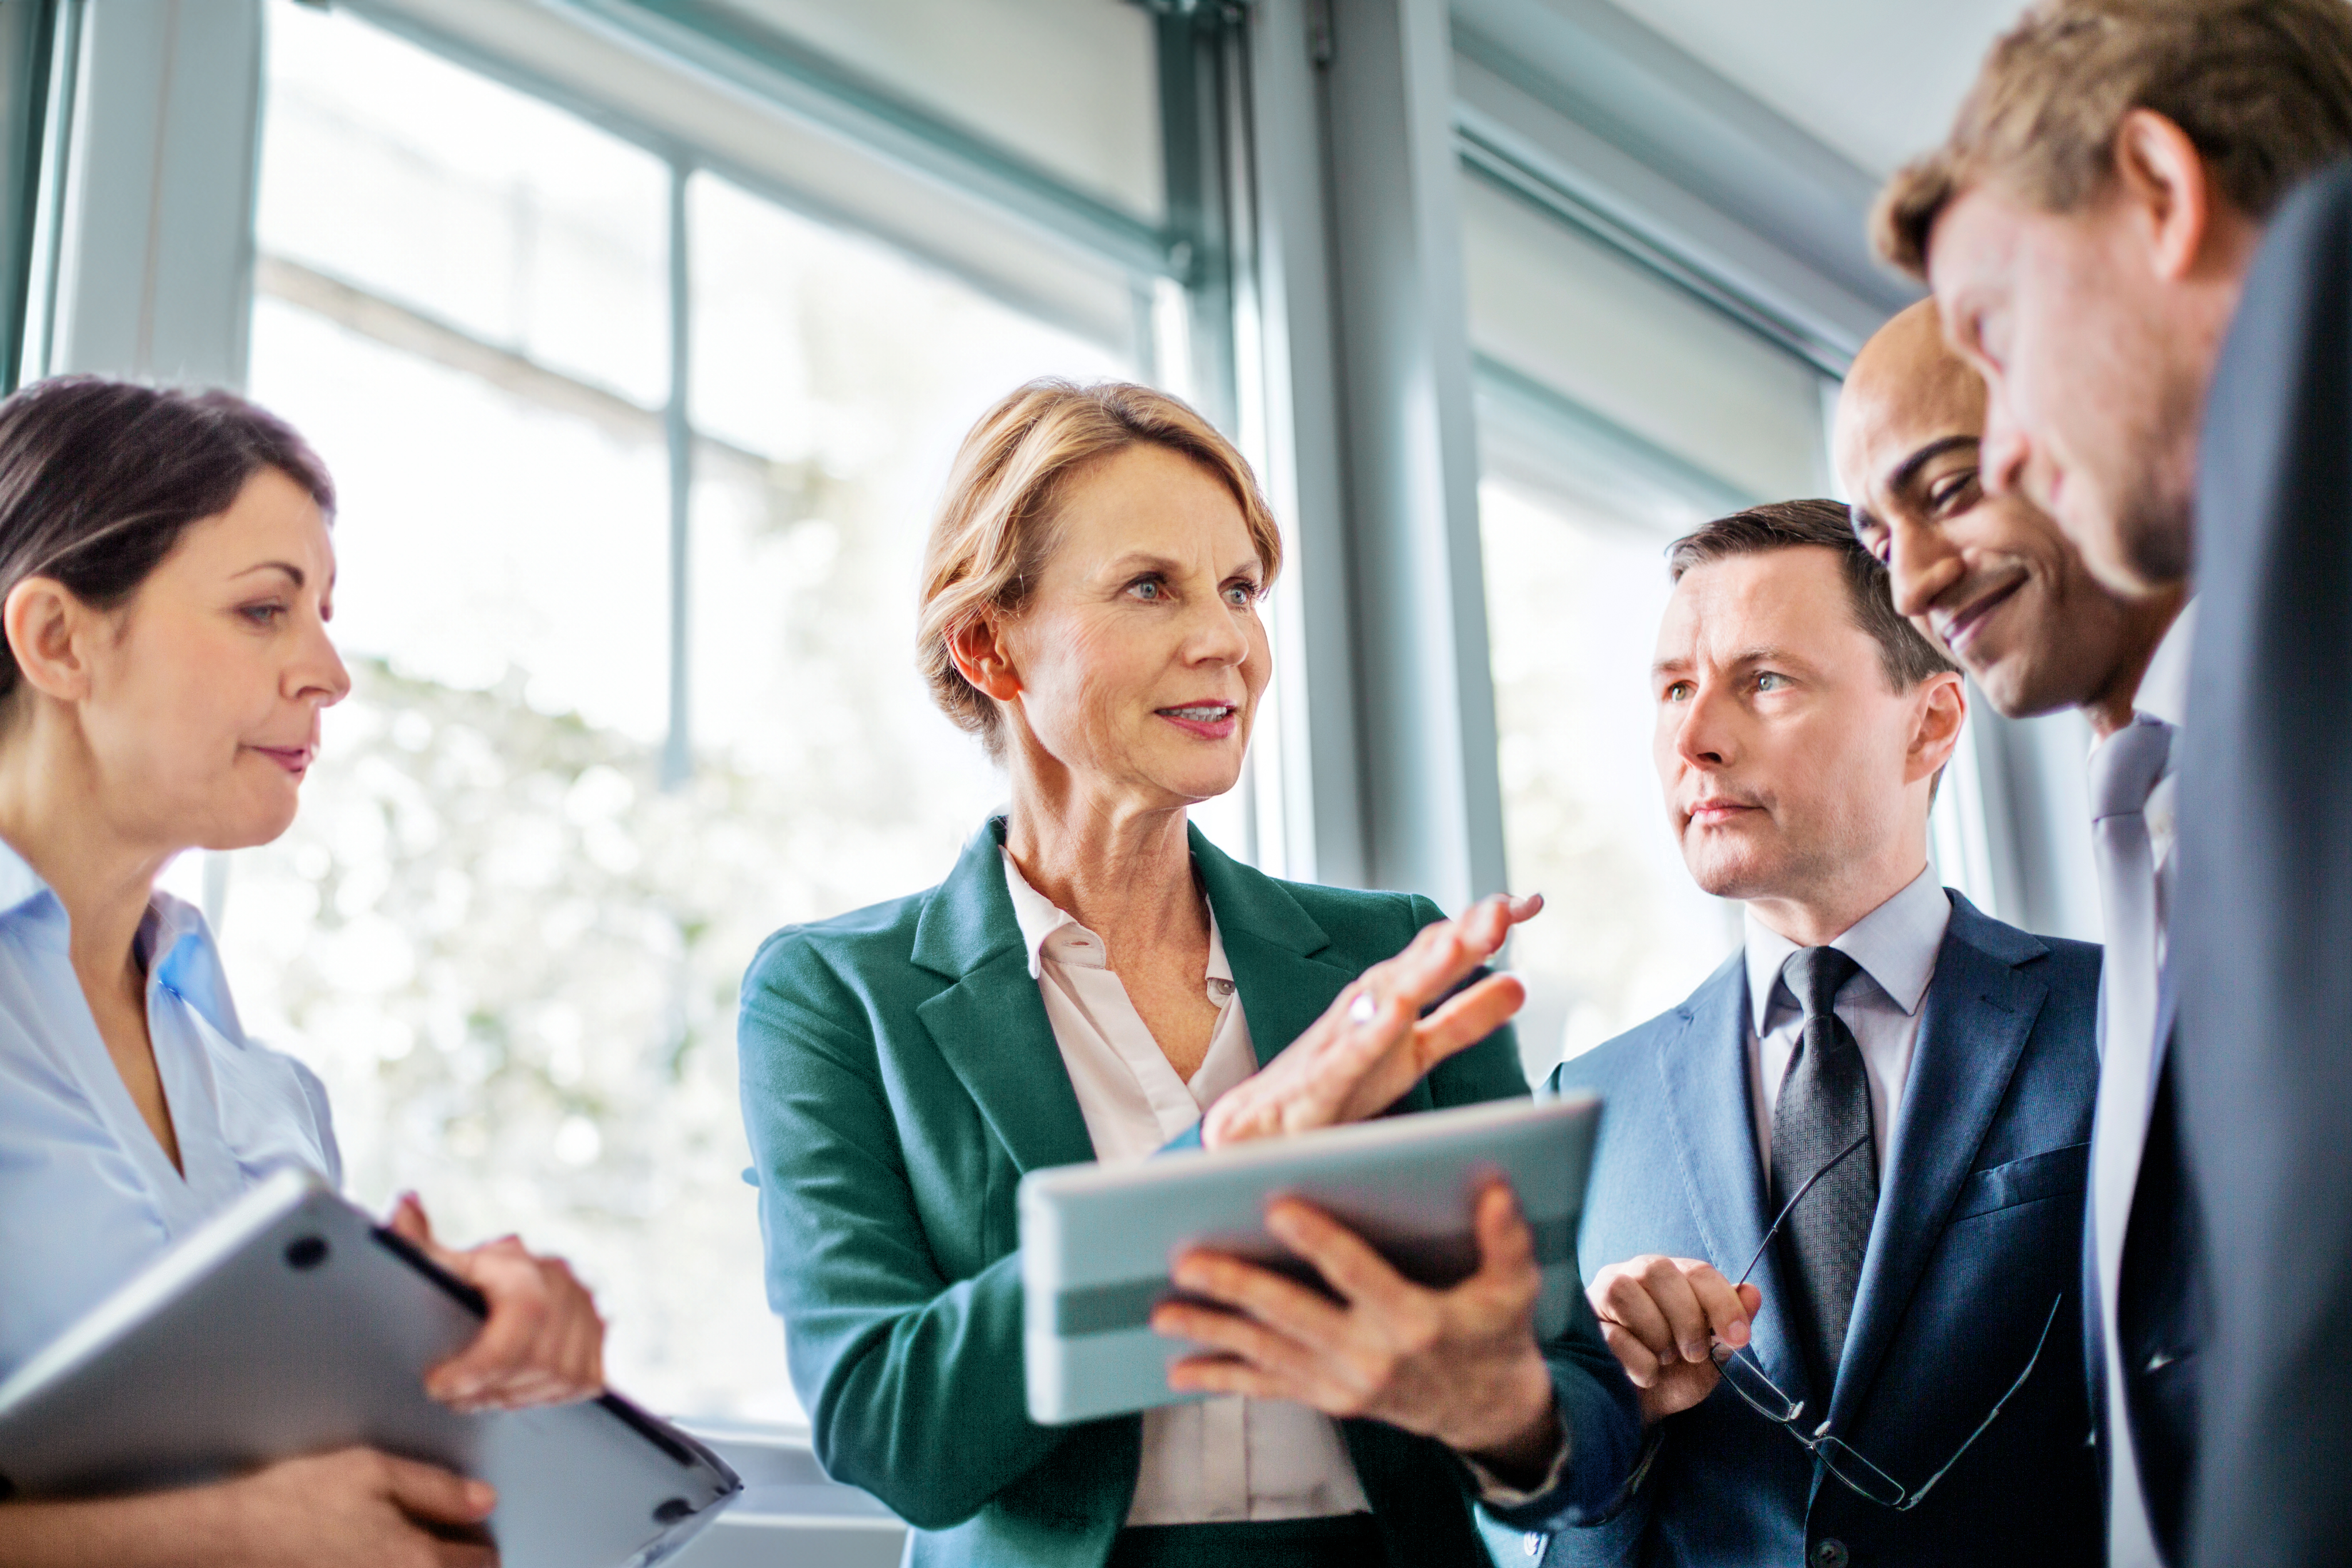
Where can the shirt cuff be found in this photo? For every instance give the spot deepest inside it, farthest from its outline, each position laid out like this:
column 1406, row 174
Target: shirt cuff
column 1493, row 1493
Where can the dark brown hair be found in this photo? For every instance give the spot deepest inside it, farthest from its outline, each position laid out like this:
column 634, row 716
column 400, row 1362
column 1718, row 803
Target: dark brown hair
column 1907, row 657
column 2262, row 88
column 99, row 478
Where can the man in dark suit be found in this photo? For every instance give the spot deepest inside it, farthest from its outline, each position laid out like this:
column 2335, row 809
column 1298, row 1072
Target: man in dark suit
column 1835, row 1229
column 2112, row 206
column 1991, row 581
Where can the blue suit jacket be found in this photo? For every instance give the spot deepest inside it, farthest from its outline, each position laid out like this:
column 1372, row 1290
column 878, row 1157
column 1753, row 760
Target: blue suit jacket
column 1978, row 1232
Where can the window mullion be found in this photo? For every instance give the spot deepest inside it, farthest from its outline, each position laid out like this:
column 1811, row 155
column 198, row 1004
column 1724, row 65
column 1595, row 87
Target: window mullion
column 677, row 751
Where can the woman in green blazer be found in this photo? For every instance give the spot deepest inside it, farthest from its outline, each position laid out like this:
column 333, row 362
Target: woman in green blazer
column 1091, row 974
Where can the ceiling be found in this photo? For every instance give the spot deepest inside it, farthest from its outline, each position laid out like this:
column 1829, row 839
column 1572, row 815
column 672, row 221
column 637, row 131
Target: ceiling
column 1877, row 81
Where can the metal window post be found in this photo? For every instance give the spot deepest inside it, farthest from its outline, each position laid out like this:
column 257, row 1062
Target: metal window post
column 677, row 748
column 1393, row 579
column 28, row 60
column 156, row 234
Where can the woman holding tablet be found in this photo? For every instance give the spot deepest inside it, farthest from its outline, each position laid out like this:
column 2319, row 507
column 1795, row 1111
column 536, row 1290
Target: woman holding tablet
column 167, row 575
column 1091, row 976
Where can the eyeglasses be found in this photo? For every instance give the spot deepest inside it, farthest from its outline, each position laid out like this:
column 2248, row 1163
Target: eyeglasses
column 1747, row 1379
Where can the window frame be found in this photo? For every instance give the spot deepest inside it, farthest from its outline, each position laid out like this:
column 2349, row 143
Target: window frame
column 1190, row 254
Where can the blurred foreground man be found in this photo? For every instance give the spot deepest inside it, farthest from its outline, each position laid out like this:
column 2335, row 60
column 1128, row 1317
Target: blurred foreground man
column 2130, row 183
column 1992, row 581
column 1834, row 1231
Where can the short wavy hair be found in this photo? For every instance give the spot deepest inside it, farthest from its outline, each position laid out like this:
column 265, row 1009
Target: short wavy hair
column 996, row 525
column 2262, row 88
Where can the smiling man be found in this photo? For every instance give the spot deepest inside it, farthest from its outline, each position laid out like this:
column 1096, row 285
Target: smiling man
column 1993, row 581
column 2139, row 232
column 1892, row 1371
column 1989, row 580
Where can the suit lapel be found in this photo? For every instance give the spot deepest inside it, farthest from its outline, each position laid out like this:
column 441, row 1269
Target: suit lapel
column 990, row 1024
column 1270, row 942
column 1973, row 1025
column 1712, row 1114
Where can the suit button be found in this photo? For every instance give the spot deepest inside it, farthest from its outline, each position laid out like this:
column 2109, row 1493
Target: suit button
column 1831, row 1554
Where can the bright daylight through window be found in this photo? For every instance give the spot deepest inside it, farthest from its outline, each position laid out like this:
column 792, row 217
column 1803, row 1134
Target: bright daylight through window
column 509, row 948
column 1615, row 413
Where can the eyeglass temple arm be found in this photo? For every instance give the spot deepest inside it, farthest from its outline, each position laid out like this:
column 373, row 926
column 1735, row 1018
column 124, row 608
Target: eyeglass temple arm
column 2047, row 1323
column 1772, row 1229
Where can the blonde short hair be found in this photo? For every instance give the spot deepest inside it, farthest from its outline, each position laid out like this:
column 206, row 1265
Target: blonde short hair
column 995, row 524
column 2262, row 88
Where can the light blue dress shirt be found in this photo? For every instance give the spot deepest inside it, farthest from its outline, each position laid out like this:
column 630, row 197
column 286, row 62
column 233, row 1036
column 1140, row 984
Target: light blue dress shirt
column 88, row 1197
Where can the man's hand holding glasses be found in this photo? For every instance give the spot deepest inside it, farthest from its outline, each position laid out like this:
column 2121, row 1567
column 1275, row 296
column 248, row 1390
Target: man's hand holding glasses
column 1677, row 1327
column 1663, row 1319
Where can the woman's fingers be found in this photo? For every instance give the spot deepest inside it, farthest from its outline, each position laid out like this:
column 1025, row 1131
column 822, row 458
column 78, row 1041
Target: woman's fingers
column 1236, row 1338
column 1260, row 1293
column 1223, row 1374
column 543, row 1342
column 1345, row 1260
column 1372, row 1045
column 431, row 1493
column 518, row 1311
column 1467, row 1017
column 1441, row 954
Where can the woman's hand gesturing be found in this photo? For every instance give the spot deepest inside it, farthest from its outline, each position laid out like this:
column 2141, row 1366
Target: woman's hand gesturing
column 1372, row 1045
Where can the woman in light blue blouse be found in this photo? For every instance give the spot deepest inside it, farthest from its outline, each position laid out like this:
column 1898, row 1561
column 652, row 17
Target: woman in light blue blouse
column 167, row 574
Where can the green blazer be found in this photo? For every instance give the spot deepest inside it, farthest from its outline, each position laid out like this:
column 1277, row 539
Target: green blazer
column 898, row 1076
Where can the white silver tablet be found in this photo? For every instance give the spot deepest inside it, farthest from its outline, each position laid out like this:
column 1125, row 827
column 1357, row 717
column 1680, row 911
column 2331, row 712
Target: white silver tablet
column 292, row 1324
column 1097, row 1243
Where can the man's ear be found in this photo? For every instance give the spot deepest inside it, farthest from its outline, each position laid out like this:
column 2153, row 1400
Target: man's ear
column 44, row 621
column 2163, row 178
column 1943, row 709
column 981, row 658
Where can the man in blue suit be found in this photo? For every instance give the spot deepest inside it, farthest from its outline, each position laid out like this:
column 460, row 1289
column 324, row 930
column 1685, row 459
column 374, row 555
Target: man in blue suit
column 1835, row 1229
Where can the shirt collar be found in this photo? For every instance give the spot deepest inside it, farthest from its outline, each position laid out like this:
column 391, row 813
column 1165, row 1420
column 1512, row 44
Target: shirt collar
column 2164, row 689
column 20, row 884
column 1040, row 917
column 181, row 956
column 1895, row 943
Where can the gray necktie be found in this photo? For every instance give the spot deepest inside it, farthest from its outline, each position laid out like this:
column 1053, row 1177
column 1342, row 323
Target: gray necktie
column 2125, row 769
column 1822, row 1114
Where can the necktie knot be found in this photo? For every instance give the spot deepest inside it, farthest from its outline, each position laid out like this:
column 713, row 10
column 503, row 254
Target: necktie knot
column 1815, row 975
column 2127, row 767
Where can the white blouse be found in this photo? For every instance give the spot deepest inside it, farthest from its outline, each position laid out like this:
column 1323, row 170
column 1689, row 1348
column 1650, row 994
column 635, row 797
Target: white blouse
column 1214, row 1460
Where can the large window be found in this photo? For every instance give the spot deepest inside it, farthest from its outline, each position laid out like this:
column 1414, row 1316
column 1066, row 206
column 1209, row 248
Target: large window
column 1616, row 411
column 573, row 789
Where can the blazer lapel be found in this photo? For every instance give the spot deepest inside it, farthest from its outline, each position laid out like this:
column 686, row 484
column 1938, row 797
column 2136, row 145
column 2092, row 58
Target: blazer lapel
column 991, row 1025
column 1973, row 1025
column 1712, row 1114
column 1270, row 942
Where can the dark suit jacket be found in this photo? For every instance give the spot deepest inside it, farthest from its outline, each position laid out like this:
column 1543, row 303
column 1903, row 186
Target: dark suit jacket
column 2262, row 933
column 900, row 1075
column 2162, row 1315
column 1978, row 1232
